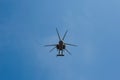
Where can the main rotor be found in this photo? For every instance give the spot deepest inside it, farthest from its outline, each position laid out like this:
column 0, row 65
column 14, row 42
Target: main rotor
column 61, row 39
column 61, row 46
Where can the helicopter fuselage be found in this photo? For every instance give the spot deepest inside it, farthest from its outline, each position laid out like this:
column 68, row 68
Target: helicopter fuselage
column 60, row 45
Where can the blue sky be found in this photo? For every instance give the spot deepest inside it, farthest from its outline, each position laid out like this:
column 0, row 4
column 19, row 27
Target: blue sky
column 93, row 25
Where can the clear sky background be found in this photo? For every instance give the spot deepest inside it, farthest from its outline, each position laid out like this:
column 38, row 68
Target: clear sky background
column 94, row 25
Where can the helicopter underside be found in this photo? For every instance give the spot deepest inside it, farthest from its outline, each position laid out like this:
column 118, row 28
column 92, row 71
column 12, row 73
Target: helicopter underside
column 60, row 47
column 60, row 52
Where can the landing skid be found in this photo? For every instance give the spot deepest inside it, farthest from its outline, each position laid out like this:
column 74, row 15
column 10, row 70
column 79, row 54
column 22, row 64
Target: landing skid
column 60, row 55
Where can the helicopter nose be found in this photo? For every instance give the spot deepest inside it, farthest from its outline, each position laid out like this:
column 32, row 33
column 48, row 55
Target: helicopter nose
column 60, row 42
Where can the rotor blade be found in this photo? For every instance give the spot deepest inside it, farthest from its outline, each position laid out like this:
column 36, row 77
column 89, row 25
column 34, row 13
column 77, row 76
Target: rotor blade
column 50, row 45
column 68, row 51
column 70, row 44
column 64, row 35
column 58, row 34
column 52, row 49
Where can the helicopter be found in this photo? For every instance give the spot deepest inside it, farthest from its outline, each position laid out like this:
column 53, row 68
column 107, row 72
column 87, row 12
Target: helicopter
column 61, row 45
